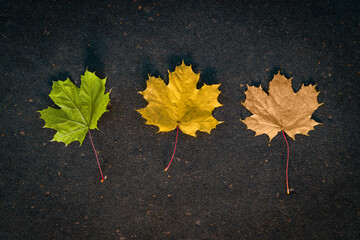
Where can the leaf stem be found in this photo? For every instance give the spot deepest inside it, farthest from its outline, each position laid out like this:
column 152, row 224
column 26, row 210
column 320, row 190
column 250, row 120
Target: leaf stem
column 177, row 132
column 97, row 159
column 287, row 163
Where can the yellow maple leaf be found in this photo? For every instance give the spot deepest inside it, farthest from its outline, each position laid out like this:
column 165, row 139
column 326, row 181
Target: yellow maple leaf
column 180, row 103
column 282, row 109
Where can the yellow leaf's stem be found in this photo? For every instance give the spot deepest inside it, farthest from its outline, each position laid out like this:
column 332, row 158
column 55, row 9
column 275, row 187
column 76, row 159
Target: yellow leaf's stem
column 102, row 176
column 287, row 163
column 177, row 133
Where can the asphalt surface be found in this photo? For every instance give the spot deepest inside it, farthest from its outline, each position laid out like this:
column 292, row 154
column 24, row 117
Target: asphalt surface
column 225, row 185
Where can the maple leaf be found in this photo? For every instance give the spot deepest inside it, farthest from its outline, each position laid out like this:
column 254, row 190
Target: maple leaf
column 282, row 109
column 80, row 110
column 180, row 103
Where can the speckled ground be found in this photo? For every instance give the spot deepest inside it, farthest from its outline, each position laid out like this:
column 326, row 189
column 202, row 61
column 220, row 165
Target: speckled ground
column 226, row 185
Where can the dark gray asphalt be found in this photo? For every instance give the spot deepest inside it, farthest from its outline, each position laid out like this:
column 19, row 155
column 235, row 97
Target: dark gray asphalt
column 226, row 185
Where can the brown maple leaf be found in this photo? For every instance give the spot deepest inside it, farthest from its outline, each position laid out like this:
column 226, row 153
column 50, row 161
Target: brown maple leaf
column 282, row 109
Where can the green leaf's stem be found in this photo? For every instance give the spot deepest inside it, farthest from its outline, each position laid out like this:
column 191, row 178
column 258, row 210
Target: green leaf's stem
column 102, row 176
column 177, row 133
column 287, row 163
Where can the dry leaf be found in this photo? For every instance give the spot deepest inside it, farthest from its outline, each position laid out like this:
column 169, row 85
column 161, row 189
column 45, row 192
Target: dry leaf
column 282, row 109
column 180, row 103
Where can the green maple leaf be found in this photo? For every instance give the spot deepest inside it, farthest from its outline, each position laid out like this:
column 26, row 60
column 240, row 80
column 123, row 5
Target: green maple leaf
column 80, row 108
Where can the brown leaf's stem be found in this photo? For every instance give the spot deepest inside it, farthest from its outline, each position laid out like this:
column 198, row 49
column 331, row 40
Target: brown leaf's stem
column 102, row 176
column 177, row 133
column 287, row 163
